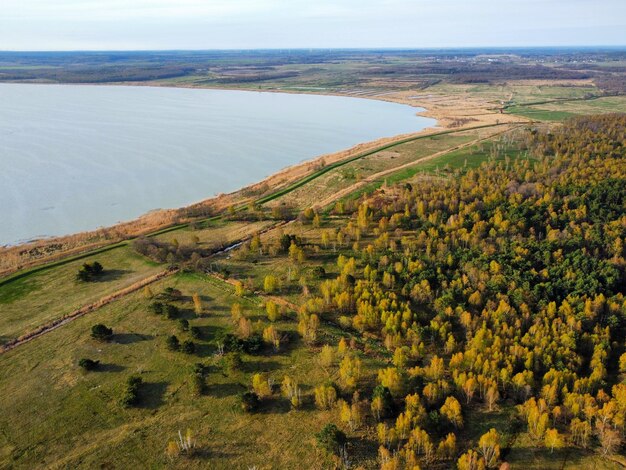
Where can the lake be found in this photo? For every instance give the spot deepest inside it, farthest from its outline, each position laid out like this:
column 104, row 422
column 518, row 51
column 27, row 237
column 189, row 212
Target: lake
column 77, row 157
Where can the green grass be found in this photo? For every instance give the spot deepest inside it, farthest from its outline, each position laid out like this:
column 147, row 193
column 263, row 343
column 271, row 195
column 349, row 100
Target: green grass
column 32, row 301
column 539, row 114
column 55, row 415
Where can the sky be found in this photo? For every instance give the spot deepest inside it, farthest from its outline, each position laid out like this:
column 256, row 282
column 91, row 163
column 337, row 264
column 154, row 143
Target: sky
column 252, row 24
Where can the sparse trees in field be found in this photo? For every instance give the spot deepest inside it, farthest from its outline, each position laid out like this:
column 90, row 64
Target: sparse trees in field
column 172, row 342
column 131, row 393
column 270, row 284
column 88, row 364
column 249, row 401
column 327, row 356
column 188, row 347
column 273, row 311
column 292, row 391
column 331, row 439
column 325, row 396
column 261, row 386
column 272, row 337
column 90, row 272
column 101, row 332
column 349, row 371
column 471, row 460
column 308, row 326
column 197, row 304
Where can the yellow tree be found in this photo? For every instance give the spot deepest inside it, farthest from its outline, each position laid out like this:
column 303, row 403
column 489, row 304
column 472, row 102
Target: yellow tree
column 349, row 371
column 489, row 446
column 553, row 440
column 261, row 386
column 273, row 313
column 270, row 284
column 272, row 337
column 197, row 303
column 327, row 356
column 325, row 396
column 451, row 410
column 470, row 460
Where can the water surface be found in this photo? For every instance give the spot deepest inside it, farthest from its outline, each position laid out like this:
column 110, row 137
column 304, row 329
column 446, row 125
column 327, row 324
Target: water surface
column 78, row 157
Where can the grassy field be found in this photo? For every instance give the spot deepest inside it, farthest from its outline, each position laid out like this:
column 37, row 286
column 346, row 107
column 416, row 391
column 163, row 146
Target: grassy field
column 44, row 296
column 341, row 178
column 41, row 297
column 55, row 415
column 558, row 111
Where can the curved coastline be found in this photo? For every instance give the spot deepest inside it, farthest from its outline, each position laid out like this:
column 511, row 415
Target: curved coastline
column 274, row 177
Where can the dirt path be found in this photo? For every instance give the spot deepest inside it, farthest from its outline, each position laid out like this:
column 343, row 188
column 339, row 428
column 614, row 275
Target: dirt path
column 85, row 309
column 371, row 178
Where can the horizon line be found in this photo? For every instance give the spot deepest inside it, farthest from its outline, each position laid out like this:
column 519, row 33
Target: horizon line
column 364, row 48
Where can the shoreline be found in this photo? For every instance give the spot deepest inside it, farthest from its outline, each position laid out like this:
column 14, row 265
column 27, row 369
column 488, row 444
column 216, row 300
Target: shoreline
column 50, row 249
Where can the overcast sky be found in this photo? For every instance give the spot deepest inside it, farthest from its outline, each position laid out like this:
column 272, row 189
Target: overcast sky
column 243, row 24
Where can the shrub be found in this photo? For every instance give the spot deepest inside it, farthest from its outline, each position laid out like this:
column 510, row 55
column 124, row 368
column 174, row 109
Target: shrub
column 183, row 324
column 171, row 294
column 195, row 332
column 172, row 343
column 156, row 308
column 189, row 347
column 249, row 401
column 101, row 332
column 198, row 384
column 88, row 364
column 232, row 361
column 89, row 271
column 331, row 439
column 131, row 394
column 171, row 311
column 384, row 394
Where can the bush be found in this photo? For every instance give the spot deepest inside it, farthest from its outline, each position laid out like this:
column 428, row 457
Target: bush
column 101, row 332
column 195, row 332
column 232, row 361
column 171, row 311
column 198, row 384
column 171, row 294
column 172, row 343
column 189, row 347
column 249, row 401
column 131, row 394
column 387, row 399
column 89, row 271
column 331, row 439
column 88, row 364
column 156, row 308
column 183, row 324
column 319, row 272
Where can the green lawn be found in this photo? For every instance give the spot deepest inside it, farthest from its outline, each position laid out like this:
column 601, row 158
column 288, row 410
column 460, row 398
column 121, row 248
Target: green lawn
column 55, row 415
column 41, row 297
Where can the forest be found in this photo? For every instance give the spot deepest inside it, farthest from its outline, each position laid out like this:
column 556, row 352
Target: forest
column 501, row 289
column 471, row 316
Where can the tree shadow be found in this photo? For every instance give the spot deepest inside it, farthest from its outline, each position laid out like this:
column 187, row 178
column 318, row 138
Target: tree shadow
column 260, row 366
column 210, row 332
column 152, row 394
column 111, row 275
column 130, row 338
column 205, row 350
column 224, row 390
column 275, row 405
column 110, row 367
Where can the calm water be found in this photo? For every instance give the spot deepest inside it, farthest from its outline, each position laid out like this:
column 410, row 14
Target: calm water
column 77, row 157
